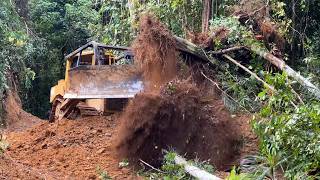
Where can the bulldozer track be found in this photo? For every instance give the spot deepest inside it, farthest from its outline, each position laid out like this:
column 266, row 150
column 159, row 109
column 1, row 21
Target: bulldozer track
column 71, row 108
column 62, row 108
column 88, row 111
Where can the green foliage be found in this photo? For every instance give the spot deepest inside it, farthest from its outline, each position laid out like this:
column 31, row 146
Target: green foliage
column 279, row 16
column 289, row 136
column 58, row 27
column 264, row 166
column 13, row 48
column 234, row 82
column 124, row 163
column 235, row 176
column 242, row 88
column 115, row 28
column 281, row 99
column 64, row 24
column 237, row 34
column 178, row 15
column 103, row 175
column 312, row 59
column 171, row 88
column 173, row 171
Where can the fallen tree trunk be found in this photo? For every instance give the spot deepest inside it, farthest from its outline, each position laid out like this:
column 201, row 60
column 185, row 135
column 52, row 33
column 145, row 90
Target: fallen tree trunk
column 194, row 171
column 290, row 72
column 188, row 47
column 259, row 79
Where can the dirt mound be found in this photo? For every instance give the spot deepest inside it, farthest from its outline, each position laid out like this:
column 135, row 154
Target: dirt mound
column 16, row 118
column 70, row 150
column 177, row 118
column 155, row 52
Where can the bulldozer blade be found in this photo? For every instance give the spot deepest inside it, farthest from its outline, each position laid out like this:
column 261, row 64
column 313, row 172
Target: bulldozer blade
column 95, row 82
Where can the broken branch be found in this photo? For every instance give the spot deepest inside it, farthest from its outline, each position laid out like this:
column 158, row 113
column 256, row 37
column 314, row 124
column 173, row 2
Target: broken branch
column 193, row 170
column 216, row 84
column 259, row 79
column 224, row 51
column 143, row 162
column 248, row 71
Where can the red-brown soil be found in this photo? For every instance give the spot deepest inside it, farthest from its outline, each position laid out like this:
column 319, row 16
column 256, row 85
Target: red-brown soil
column 16, row 118
column 74, row 149
column 9, row 169
column 182, row 118
column 155, row 52
column 70, row 150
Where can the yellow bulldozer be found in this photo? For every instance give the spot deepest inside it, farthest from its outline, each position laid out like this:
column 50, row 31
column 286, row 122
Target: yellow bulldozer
column 98, row 79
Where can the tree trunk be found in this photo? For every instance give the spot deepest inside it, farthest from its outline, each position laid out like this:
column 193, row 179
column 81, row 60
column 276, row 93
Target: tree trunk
column 190, row 48
column 290, row 72
column 206, row 15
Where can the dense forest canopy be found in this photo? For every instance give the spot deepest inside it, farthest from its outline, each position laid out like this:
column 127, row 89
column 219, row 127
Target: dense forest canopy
column 35, row 35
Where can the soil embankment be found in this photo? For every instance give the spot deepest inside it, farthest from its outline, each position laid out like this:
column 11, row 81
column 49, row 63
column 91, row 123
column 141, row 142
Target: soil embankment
column 16, row 118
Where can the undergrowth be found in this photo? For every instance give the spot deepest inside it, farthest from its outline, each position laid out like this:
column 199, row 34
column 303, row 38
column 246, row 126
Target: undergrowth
column 103, row 175
column 237, row 34
column 287, row 120
column 288, row 133
column 242, row 89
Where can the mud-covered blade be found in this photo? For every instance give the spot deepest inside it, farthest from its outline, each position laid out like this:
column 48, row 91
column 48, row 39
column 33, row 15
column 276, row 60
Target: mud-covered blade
column 94, row 82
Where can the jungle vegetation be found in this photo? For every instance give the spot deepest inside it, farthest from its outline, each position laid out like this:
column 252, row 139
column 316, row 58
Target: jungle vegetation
column 35, row 35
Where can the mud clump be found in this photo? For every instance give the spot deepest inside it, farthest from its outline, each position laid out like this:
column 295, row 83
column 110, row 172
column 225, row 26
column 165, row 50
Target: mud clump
column 155, row 52
column 176, row 118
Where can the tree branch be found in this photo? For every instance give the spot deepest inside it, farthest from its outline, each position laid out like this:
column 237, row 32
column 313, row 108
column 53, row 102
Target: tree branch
column 224, row 51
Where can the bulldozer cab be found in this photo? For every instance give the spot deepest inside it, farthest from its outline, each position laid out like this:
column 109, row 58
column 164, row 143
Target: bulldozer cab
column 96, row 71
column 97, row 77
column 98, row 54
column 100, row 71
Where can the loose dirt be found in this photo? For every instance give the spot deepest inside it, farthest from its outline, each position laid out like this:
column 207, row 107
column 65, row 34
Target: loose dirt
column 155, row 53
column 16, row 118
column 180, row 118
column 70, row 150
column 180, row 114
